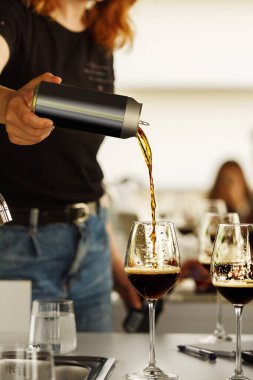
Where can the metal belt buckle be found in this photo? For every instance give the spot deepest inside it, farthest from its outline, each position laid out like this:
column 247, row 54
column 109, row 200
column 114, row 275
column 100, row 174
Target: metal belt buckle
column 85, row 209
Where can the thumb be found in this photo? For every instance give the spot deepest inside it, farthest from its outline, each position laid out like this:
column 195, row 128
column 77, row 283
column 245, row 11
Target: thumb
column 30, row 86
column 46, row 77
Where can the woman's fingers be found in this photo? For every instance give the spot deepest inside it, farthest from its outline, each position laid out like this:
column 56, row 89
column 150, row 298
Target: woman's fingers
column 27, row 140
column 46, row 77
column 22, row 125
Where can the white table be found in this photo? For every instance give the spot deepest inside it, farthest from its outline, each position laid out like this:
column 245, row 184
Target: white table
column 131, row 352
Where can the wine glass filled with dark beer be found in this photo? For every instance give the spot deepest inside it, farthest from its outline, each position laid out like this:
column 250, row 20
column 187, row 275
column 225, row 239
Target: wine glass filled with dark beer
column 153, row 266
column 232, row 275
column 207, row 235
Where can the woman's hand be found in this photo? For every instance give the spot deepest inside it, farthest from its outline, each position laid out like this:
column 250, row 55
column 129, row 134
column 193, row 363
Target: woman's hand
column 127, row 292
column 22, row 125
column 122, row 285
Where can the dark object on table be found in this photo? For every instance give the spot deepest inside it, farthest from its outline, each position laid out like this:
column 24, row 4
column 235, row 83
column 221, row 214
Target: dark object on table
column 185, row 230
column 248, row 356
column 198, row 352
column 137, row 320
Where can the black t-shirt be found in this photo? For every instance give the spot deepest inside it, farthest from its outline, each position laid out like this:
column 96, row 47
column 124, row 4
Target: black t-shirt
column 63, row 168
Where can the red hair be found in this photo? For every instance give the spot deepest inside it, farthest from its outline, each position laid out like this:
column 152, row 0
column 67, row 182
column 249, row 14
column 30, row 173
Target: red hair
column 108, row 20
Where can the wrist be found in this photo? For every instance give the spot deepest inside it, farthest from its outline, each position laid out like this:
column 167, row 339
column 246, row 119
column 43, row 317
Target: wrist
column 5, row 95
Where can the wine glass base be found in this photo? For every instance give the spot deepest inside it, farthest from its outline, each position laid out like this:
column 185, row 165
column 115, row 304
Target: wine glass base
column 221, row 334
column 216, row 337
column 238, row 377
column 151, row 373
column 225, row 337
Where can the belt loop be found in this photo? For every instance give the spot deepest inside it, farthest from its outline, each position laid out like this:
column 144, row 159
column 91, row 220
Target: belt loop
column 33, row 221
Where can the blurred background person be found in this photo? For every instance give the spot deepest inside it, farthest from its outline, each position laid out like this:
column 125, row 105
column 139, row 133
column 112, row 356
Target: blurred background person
column 231, row 185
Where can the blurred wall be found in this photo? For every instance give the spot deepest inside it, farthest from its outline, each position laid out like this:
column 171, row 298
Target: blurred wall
column 191, row 66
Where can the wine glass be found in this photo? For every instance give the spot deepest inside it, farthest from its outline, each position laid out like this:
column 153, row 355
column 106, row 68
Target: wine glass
column 53, row 325
column 232, row 275
column 208, row 230
column 213, row 205
column 152, row 265
column 220, row 333
column 205, row 205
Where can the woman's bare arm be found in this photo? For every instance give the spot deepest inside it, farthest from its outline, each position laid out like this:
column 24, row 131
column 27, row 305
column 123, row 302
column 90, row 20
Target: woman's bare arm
column 4, row 92
column 121, row 283
column 22, row 125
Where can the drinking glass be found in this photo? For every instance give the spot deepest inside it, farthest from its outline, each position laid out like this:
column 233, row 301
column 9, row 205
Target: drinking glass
column 18, row 363
column 53, row 324
column 232, row 275
column 152, row 265
column 217, row 206
column 208, row 231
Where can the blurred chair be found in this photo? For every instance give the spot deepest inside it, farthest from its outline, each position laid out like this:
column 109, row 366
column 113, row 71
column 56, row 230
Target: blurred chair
column 15, row 305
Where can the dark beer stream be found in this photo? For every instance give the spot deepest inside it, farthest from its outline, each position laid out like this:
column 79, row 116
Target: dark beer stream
column 147, row 153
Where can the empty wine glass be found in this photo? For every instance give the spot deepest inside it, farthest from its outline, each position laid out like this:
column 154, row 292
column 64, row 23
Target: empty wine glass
column 207, row 233
column 152, row 265
column 232, row 275
column 217, row 206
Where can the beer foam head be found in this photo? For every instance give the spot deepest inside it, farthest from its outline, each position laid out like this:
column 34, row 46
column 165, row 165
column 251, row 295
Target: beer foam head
column 149, row 270
column 234, row 283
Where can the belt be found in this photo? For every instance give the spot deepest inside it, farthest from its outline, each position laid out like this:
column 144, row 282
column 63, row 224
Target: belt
column 73, row 213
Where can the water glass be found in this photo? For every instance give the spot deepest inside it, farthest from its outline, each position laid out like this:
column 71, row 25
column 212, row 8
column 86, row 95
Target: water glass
column 22, row 363
column 53, row 325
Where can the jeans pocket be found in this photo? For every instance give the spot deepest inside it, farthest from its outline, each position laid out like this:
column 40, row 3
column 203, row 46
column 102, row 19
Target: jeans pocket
column 17, row 247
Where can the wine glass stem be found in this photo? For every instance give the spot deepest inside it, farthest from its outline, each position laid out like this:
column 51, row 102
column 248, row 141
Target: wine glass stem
column 238, row 361
column 151, row 305
column 219, row 326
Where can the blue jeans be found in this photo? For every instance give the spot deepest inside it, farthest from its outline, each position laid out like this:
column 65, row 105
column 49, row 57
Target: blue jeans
column 64, row 261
